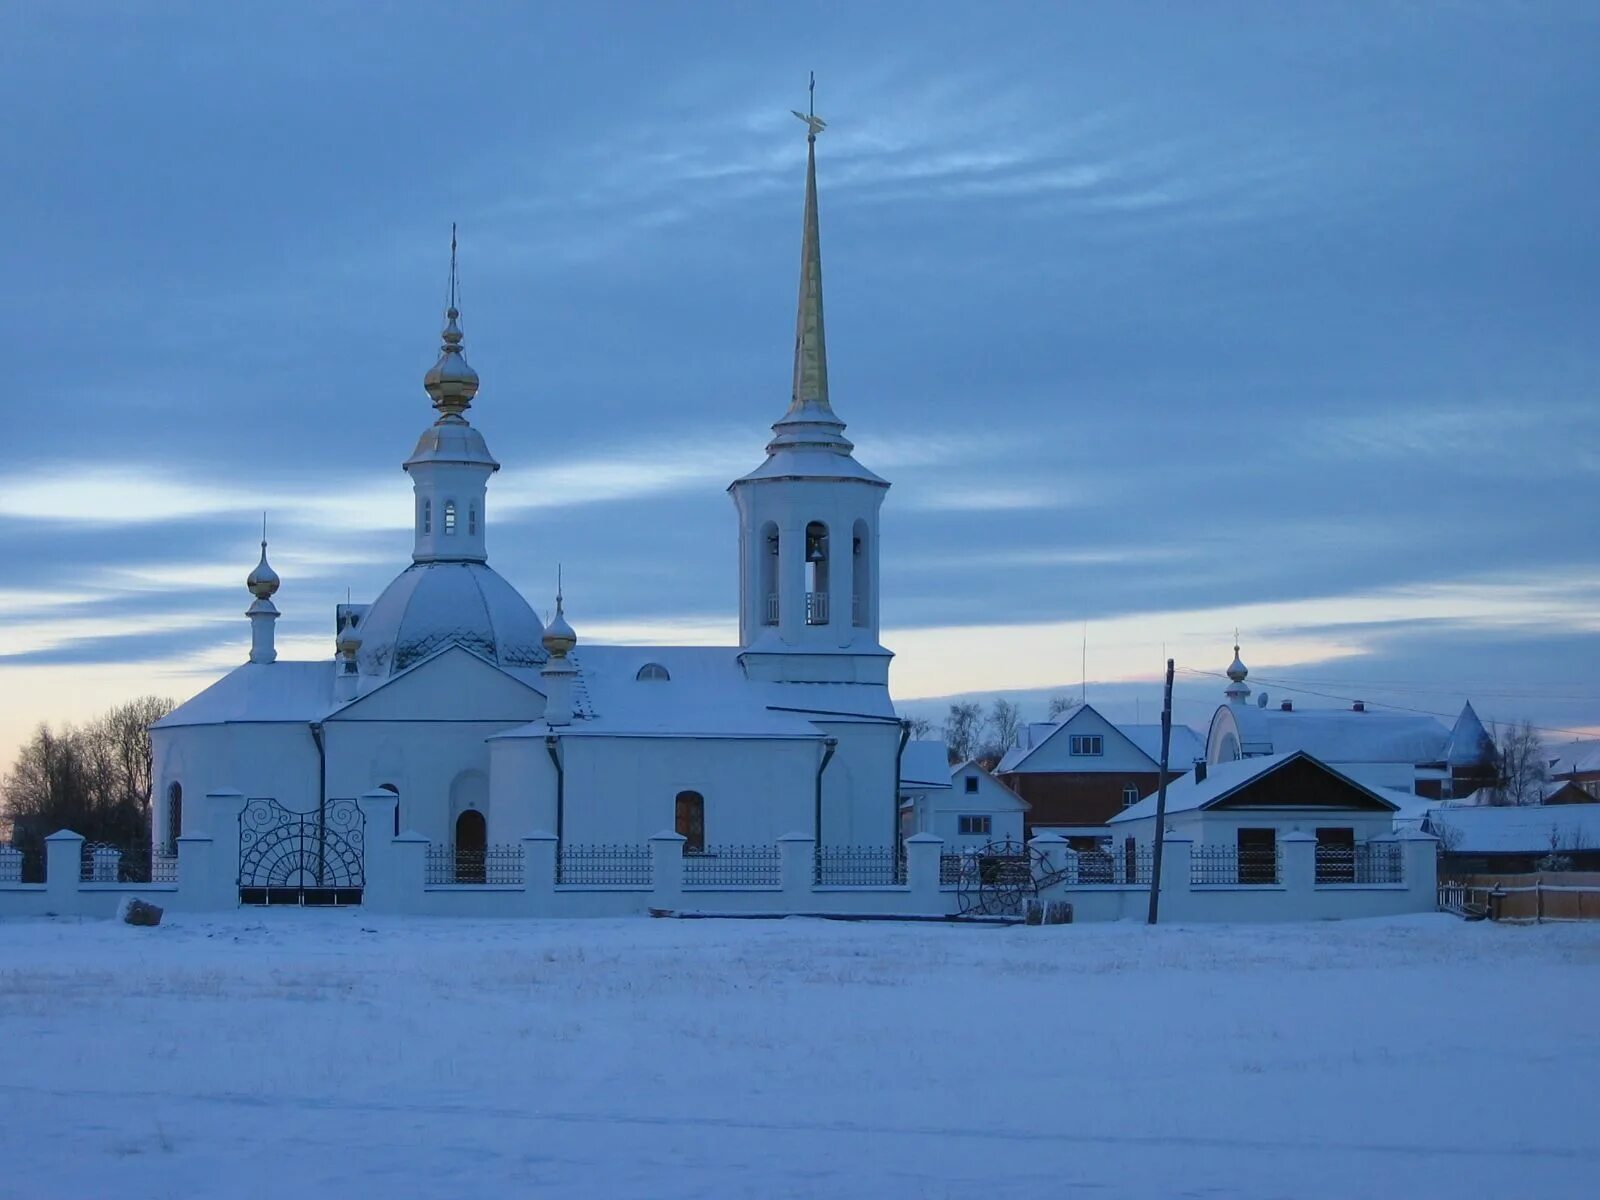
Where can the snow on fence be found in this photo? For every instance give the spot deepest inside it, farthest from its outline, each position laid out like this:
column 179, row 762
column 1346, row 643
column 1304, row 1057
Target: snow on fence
column 103, row 862
column 1230, row 865
column 860, row 866
column 601, row 863
column 493, row 864
column 732, row 866
column 1526, row 899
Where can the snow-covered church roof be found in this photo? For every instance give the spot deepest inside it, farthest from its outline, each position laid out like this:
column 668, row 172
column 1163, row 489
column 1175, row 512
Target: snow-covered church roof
column 434, row 604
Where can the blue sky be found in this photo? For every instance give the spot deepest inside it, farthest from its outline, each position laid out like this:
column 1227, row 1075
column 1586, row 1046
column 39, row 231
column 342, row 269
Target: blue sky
column 1162, row 320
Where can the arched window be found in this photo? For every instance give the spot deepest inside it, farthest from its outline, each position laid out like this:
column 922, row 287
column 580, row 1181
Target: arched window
column 652, row 673
column 689, row 821
column 449, row 516
column 816, row 573
column 174, row 815
column 768, row 598
column 427, row 516
column 861, row 575
column 472, row 520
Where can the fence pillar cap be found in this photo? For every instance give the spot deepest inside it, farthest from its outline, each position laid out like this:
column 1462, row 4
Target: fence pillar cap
column 1048, row 839
column 1171, row 838
column 1413, row 835
column 668, row 835
column 539, row 835
column 64, row 835
column 378, row 794
column 194, row 837
column 796, row 837
column 921, row 839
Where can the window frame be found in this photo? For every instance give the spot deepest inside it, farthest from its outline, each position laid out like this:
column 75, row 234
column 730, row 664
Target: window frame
column 1086, row 745
column 975, row 825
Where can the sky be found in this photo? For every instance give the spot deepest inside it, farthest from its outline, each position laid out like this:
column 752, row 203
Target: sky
column 1163, row 320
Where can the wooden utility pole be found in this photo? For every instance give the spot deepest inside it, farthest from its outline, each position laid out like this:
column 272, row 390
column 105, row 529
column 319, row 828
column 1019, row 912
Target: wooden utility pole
column 1161, row 800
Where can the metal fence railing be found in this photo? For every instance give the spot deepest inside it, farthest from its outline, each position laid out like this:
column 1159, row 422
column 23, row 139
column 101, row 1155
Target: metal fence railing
column 492, row 864
column 1231, row 865
column 21, row 864
column 602, row 863
column 1370, row 862
column 951, row 867
column 1127, row 865
column 103, row 862
column 732, row 866
column 860, row 866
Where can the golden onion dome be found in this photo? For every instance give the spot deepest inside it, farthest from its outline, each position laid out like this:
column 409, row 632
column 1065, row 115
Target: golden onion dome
column 263, row 581
column 451, row 383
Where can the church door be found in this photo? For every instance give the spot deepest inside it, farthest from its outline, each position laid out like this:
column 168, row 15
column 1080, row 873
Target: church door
column 472, row 844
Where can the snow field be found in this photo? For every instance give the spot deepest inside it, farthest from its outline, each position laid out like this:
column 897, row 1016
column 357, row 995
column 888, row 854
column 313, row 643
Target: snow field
column 334, row 1053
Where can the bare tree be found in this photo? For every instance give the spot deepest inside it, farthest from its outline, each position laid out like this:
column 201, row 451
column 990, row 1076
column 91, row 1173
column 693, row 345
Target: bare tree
column 94, row 780
column 963, row 727
column 1060, row 706
column 921, row 727
column 1524, row 767
column 1000, row 728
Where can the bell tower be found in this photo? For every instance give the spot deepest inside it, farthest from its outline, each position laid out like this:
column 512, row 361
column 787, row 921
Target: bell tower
column 808, row 516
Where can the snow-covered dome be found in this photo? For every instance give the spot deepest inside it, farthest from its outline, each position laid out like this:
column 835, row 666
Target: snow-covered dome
column 434, row 604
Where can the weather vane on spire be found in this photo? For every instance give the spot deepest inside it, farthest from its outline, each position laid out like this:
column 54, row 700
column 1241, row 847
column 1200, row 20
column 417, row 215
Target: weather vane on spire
column 814, row 123
column 454, row 280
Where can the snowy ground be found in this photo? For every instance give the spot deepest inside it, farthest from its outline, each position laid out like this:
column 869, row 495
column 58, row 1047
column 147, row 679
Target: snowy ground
column 337, row 1054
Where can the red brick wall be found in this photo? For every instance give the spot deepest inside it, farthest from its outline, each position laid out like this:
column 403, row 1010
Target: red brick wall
column 1080, row 797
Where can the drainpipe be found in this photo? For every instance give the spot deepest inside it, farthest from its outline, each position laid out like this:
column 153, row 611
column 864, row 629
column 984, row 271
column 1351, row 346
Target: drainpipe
column 561, row 788
column 322, row 800
column 905, row 736
column 829, row 745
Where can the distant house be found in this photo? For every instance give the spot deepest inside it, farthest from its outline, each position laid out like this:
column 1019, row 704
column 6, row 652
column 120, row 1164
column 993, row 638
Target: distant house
column 1247, row 805
column 1079, row 772
column 963, row 804
column 1579, row 763
column 1515, row 839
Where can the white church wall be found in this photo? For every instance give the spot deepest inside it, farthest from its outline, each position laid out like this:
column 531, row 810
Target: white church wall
column 860, row 788
column 625, row 789
column 277, row 760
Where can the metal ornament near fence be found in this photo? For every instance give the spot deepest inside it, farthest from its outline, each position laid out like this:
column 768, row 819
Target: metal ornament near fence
column 104, row 862
column 290, row 857
column 997, row 880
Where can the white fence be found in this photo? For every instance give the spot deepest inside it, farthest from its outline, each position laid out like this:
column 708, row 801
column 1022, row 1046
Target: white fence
column 528, row 877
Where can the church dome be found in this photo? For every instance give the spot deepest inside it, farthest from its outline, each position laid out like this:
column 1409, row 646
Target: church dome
column 435, row 604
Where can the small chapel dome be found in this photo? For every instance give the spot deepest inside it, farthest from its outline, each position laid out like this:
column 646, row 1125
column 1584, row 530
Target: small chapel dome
column 559, row 638
column 263, row 581
column 434, row 604
column 1237, row 671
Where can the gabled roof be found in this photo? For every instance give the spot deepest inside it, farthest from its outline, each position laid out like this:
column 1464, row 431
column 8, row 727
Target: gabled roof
column 1186, row 744
column 973, row 764
column 1574, row 758
column 1225, row 779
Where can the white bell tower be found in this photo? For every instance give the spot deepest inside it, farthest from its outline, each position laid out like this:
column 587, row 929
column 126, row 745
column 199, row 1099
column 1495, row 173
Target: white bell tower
column 451, row 465
column 808, row 516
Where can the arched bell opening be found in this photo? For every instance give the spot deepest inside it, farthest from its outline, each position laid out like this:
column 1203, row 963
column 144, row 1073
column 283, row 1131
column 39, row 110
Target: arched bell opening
column 816, row 573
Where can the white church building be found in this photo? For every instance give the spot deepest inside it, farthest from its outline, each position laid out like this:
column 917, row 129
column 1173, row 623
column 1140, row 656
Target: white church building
column 449, row 692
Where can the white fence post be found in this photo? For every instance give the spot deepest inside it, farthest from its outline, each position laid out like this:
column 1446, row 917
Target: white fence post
column 219, row 816
column 666, row 870
column 203, row 883
column 922, row 873
column 1419, row 859
column 63, row 864
column 1050, row 847
column 407, row 875
column 538, row 872
column 379, row 862
column 797, row 866
column 1299, row 872
column 1177, row 854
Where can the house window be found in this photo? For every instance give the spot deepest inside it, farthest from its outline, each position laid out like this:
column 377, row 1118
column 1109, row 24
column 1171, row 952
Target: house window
column 689, row 821
column 449, row 516
column 973, row 826
column 652, row 672
column 1130, row 795
column 1087, row 745
column 972, row 784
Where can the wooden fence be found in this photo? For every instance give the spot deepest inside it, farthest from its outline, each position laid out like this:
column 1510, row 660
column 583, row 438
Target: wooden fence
column 1543, row 896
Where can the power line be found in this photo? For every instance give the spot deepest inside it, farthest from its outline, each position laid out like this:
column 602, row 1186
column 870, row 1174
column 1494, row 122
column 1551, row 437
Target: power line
column 1426, row 712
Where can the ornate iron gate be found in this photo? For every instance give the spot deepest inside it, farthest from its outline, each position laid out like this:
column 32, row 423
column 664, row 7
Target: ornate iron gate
column 301, row 858
column 998, row 880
